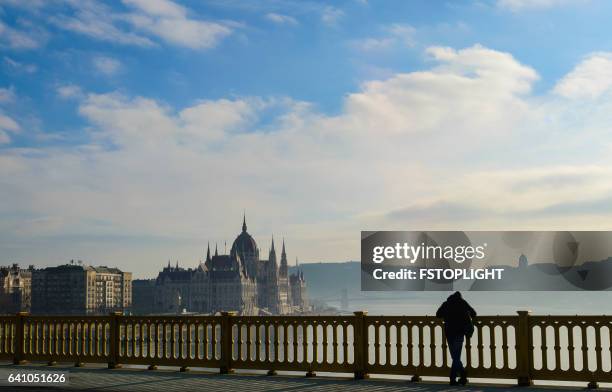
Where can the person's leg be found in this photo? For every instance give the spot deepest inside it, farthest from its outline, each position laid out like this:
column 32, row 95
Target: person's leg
column 460, row 367
column 455, row 345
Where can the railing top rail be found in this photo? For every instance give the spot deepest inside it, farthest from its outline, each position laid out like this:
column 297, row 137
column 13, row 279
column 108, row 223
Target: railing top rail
column 30, row 317
column 585, row 318
column 169, row 318
column 574, row 318
column 295, row 318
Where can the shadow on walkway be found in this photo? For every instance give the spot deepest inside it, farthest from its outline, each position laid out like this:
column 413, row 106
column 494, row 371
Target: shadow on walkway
column 137, row 380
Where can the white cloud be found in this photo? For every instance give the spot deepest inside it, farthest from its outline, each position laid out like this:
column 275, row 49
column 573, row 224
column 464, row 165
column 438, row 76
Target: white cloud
column 170, row 22
column 395, row 35
column 7, row 125
column 281, row 19
column 20, row 39
column 69, row 91
column 163, row 8
column 331, row 15
column 106, row 65
column 589, row 79
column 20, row 67
column 466, row 132
column 519, row 5
column 6, row 94
column 99, row 22
column 145, row 23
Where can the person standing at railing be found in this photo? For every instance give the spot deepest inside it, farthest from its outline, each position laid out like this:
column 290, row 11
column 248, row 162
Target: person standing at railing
column 457, row 315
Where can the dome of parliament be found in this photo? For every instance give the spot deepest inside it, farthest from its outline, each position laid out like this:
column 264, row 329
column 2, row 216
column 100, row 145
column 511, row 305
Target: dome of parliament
column 244, row 243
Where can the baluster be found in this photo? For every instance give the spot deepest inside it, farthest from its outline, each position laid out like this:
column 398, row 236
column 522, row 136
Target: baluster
column 86, row 333
column 557, row 346
column 205, row 340
column 505, row 346
column 492, row 345
column 79, row 330
column 163, row 329
column 276, row 341
column 3, row 349
column 70, row 337
column 75, row 341
column 8, row 337
column 84, row 337
column 38, row 338
column 310, row 372
column 45, row 342
column 480, row 347
column 269, row 347
column 376, row 343
column 166, row 341
column 140, row 342
column 421, row 346
column 144, row 343
column 239, row 341
column 181, row 349
column 610, row 339
column 31, row 343
column 98, row 327
column 304, row 343
column 92, row 338
column 409, row 344
column 432, row 345
column 190, row 328
column 249, row 342
column 216, row 342
column 173, row 340
column 159, row 345
column 387, row 328
column 150, row 340
column 286, row 343
column 134, row 338
column 315, row 345
column 295, row 342
column 398, row 343
column 445, row 346
column 598, row 349
column 49, row 341
column 585, row 359
column 570, row 346
column 345, row 343
column 34, row 337
column 56, row 338
column 335, row 353
column 198, row 339
column 45, row 338
column 27, row 347
column 544, row 347
column 257, row 341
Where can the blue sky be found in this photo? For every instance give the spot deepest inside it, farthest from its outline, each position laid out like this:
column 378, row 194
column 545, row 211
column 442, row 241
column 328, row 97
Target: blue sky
column 136, row 131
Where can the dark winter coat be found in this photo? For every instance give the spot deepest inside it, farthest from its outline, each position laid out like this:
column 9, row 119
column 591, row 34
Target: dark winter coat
column 457, row 315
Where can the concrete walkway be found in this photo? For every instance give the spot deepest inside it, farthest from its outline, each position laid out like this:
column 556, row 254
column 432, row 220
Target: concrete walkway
column 136, row 380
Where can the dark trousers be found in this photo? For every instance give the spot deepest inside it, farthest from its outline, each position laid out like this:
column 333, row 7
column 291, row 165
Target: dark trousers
column 455, row 346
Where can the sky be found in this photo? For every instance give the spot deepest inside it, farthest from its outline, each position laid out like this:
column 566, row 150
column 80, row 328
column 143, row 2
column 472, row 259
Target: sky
column 135, row 132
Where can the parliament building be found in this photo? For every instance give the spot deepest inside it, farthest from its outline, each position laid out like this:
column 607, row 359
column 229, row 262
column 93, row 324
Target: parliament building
column 240, row 281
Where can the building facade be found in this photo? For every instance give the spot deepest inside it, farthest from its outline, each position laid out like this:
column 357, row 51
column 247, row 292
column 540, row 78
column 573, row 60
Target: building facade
column 79, row 289
column 240, row 281
column 15, row 289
